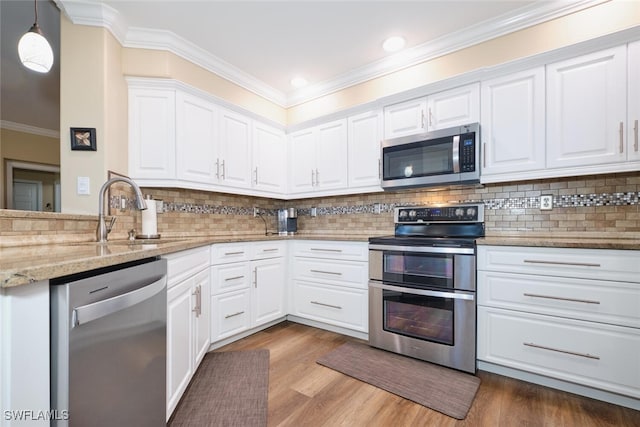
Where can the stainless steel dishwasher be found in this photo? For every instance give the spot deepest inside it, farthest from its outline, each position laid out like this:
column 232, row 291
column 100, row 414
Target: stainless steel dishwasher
column 108, row 346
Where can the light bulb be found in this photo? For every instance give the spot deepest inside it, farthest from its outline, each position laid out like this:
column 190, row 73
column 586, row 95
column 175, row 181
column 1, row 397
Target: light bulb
column 34, row 51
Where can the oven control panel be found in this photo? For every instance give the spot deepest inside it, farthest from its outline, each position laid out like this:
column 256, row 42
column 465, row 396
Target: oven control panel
column 428, row 214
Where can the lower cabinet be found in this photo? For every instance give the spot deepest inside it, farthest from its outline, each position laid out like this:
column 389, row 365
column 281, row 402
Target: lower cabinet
column 188, row 318
column 249, row 293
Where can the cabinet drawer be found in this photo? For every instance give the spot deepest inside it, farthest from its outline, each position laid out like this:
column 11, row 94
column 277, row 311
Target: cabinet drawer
column 345, row 273
column 353, row 251
column 230, row 314
column 588, row 353
column 230, row 277
column 346, row 307
column 616, row 303
column 183, row 264
column 563, row 262
column 229, row 252
column 262, row 250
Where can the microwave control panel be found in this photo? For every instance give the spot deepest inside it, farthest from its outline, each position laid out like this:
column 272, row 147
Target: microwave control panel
column 467, row 153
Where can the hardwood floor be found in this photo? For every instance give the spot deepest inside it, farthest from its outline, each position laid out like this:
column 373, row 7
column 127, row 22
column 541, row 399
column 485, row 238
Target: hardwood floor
column 303, row 393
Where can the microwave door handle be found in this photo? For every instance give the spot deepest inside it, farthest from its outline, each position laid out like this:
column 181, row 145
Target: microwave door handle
column 455, row 154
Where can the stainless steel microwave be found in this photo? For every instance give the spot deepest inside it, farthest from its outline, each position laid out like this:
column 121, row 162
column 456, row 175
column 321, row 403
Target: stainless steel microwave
column 439, row 158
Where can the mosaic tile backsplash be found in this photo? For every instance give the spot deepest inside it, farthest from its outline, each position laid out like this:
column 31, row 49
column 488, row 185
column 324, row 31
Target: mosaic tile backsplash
column 585, row 205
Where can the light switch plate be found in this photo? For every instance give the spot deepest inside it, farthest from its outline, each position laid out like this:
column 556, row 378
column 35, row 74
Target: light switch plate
column 546, row 202
column 83, row 186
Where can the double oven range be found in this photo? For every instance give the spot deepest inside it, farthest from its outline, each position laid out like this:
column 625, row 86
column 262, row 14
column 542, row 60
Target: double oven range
column 422, row 287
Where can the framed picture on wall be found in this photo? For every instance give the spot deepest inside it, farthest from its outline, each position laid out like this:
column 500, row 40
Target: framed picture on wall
column 83, row 139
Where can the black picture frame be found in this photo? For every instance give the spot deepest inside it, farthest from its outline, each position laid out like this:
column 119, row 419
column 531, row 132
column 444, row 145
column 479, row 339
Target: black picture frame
column 83, row 139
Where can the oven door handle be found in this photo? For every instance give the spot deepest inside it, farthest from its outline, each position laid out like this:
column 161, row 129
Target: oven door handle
column 456, row 250
column 424, row 292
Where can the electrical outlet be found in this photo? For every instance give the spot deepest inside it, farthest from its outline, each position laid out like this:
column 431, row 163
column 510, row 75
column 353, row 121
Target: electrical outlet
column 256, row 212
column 313, row 212
column 546, row 202
column 377, row 208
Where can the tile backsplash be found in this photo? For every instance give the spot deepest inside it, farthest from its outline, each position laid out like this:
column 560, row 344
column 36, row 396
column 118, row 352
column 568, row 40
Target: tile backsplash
column 596, row 205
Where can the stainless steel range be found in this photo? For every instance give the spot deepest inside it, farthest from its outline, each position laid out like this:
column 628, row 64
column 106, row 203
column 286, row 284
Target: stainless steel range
column 422, row 287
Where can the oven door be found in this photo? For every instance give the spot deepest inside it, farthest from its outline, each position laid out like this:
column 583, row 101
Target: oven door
column 431, row 325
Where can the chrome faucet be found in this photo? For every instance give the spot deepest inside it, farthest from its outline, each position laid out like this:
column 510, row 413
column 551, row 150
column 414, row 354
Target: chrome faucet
column 103, row 230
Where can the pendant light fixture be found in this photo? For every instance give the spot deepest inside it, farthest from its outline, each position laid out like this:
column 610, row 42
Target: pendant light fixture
column 34, row 50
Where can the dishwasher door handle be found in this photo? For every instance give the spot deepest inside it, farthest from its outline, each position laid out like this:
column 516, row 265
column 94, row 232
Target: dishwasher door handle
column 87, row 313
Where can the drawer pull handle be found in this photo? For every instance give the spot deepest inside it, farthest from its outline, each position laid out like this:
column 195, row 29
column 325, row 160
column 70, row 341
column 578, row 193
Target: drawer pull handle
column 270, row 250
column 234, row 253
column 586, row 301
column 234, row 314
column 573, row 353
column 326, row 250
column 326, row 305
column 578, row 264
column 228, row 279
column 327, row 272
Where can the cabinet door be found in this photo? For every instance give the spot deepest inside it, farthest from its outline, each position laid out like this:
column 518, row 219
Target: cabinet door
column 152, row 135
column 302, row 162
column 365, row 134
column 230, row 314
column 196, row 139
column 268, row 290
column 455, row 107
column 587, row 109
column 269, row 159
column 235, row 142
column 179, row 342
column 633, row 97
column 201, row 326
column 513, row 120
column 405, row 118
column 331, row 152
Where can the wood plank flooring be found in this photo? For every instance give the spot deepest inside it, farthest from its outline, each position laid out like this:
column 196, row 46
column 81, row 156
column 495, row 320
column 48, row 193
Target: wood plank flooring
column 303, row 393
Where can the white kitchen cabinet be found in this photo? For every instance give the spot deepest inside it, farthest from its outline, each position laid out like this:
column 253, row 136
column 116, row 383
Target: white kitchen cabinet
column 152, row 133
column 196, row 127
column 513, row 124
column 318, row 159
column 248, row 286
column 364, row 137
column 24, row 353
column 453, row 107
column 235, row 144
column 568, row 314
column 633, row 99
column 269, row 150
column 330, row 284
column 188, row 319
column 586, row 109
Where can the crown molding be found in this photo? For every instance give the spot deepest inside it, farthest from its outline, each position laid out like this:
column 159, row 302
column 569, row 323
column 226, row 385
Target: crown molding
column 83, row 12
column 20, row 127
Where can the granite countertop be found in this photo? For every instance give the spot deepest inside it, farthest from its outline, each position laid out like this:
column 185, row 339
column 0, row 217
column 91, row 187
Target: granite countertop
column 21, row 265
column 584, row 242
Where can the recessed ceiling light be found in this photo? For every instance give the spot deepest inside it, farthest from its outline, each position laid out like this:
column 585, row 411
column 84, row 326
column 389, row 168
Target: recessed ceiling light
column 299, row 82
column 394, row 44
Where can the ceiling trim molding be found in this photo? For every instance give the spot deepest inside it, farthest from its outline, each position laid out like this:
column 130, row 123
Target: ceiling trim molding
column 84, row 12
column 33, row 130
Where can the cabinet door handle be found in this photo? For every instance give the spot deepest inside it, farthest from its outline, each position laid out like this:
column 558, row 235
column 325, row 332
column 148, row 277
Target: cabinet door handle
column 327, row 272
column 224, row 170
column 326, row 305
column 585, row 301
column 573, row 353
column 635, row 136
column 317, row 177
column 380, row 168
column 621, row 137
column 577, row 264
column 228, row 279
column 255, row 277
column 197, row 292
column 234, row 314
column 484, row 155
column 430, row 118
column 218, row 168
column 255, row 176
column 422, row 119
column 313, row 179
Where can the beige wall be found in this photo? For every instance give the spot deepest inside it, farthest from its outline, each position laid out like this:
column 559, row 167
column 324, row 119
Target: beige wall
column 587, row 24
column 25, row 147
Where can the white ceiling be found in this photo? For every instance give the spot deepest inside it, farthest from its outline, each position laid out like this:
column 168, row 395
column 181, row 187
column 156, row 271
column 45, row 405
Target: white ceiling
column 261, row 45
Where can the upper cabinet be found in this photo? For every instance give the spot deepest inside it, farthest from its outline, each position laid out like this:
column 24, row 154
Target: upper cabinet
column 152, row 133
column 586, row 103
column 364, row 136
column 513, row 123
column 181, row 139
column 454, row 107
column 319, row 158
column 633, row 98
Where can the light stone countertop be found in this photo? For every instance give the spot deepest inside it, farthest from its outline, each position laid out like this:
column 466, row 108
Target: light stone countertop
column 21, row 265
column 584, row 242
